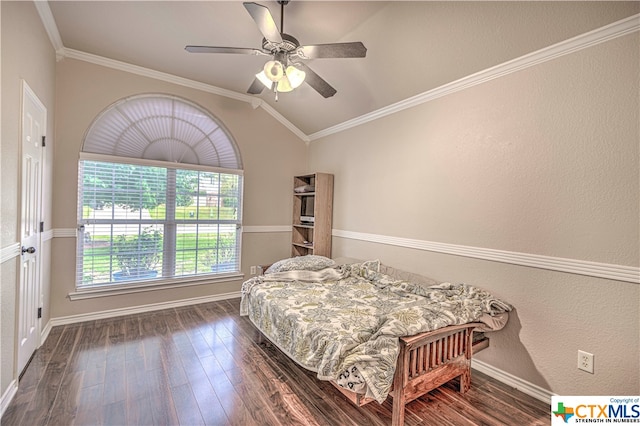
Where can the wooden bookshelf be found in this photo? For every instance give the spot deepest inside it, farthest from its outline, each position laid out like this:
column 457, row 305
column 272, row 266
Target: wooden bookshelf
column 312, row 237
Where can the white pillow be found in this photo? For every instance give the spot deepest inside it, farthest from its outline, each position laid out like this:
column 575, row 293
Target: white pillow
column 301, row 263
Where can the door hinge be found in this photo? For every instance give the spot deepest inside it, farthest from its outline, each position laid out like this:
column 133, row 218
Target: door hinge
column 39, row 312
column 44, row 138
column 41, row 226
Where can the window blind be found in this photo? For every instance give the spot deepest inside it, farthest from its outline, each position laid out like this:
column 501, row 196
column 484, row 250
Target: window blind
column 159, row 194
column 144, row 222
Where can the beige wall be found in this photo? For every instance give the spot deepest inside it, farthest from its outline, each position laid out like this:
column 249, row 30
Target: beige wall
column 271, row 155
column 541, row 161
column 27, row 55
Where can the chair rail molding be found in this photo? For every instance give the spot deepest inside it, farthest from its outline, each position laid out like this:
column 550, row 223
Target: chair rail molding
column 629, row 274
column 9, row 252
column 64, row 232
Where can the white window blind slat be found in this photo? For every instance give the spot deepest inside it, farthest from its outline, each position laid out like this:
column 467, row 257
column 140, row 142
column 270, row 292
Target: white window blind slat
column 159, row 194
column 140, row 222
column 162, row 128
column 147, row 162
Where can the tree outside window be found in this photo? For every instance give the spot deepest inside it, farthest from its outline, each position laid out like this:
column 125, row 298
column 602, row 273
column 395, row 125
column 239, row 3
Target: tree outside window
column 143, row 222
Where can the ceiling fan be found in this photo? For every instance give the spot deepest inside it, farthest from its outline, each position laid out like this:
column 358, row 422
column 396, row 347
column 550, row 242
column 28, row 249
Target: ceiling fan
column 286, row 71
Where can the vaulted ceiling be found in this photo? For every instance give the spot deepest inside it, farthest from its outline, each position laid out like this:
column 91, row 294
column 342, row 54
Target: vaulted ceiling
column 413, row 47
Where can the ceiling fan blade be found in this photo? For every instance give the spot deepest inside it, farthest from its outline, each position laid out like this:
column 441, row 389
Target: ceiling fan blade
column 317, row 82
column 333, row 50
column 256, row 87
column 216, row 49
column 263, row 18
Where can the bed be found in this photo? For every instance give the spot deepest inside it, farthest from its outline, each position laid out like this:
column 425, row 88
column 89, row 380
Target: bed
column 371, row 330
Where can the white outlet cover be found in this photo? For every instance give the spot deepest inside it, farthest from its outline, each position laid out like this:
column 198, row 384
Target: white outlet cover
column 585, row 361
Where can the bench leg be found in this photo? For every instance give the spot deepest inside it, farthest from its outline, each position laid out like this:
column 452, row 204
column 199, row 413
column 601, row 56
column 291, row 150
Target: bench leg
column 397, row 413
column 465, row 381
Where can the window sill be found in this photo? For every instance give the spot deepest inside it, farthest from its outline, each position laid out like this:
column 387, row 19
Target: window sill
column 159, row 284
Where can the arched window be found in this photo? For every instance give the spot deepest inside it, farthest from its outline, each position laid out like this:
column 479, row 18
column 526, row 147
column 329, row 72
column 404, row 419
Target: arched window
column 159, row 194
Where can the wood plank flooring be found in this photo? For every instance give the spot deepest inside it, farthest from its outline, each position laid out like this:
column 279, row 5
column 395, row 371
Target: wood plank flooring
column 203, row 364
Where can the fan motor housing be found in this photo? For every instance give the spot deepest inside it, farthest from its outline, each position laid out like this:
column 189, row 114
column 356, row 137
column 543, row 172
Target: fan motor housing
column 289, row 44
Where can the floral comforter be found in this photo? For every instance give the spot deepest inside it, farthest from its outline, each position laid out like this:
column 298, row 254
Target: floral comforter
column 349, row 318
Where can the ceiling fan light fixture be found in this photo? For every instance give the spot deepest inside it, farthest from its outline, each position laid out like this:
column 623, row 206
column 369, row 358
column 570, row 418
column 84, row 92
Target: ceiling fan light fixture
column 274, row 70
column 284, row 50
column 262, row 76
column 284, row 85
column 295, row 76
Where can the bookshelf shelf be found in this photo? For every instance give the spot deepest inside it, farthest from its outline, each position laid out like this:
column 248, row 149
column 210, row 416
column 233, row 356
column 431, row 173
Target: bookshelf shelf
column 312, row 198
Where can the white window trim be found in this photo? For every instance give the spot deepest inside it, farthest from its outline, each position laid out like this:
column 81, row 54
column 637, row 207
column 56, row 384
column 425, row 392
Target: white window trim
column 111, row 289
column 87, row 156
column 127, row 118
column 153, row 285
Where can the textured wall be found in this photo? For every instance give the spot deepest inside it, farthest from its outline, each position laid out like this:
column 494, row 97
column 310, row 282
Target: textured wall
column 271, row 155
column 26, row 55
column 542, row 161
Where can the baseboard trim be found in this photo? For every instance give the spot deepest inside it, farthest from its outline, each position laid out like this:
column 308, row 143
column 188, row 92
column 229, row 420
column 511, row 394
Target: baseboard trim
column 523, row 386
column 8, row 396
column 111, row 313
column 495, row 373
column 45, row 332
column 630, row 274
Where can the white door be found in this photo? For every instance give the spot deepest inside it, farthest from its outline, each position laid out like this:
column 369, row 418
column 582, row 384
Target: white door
column 34, row 116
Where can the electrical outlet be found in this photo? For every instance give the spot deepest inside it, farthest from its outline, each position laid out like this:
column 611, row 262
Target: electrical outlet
column 253, row 270
column 585, row 361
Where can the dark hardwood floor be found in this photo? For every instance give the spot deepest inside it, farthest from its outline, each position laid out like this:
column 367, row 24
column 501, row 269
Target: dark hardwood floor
column 203, row 364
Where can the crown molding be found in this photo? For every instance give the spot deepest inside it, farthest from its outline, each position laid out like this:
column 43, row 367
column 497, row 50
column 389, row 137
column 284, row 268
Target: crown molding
column 50, row 27
column 279, row 117
column 185, row 82
column 148, row 72
column 582, row 41
column 629, row 274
